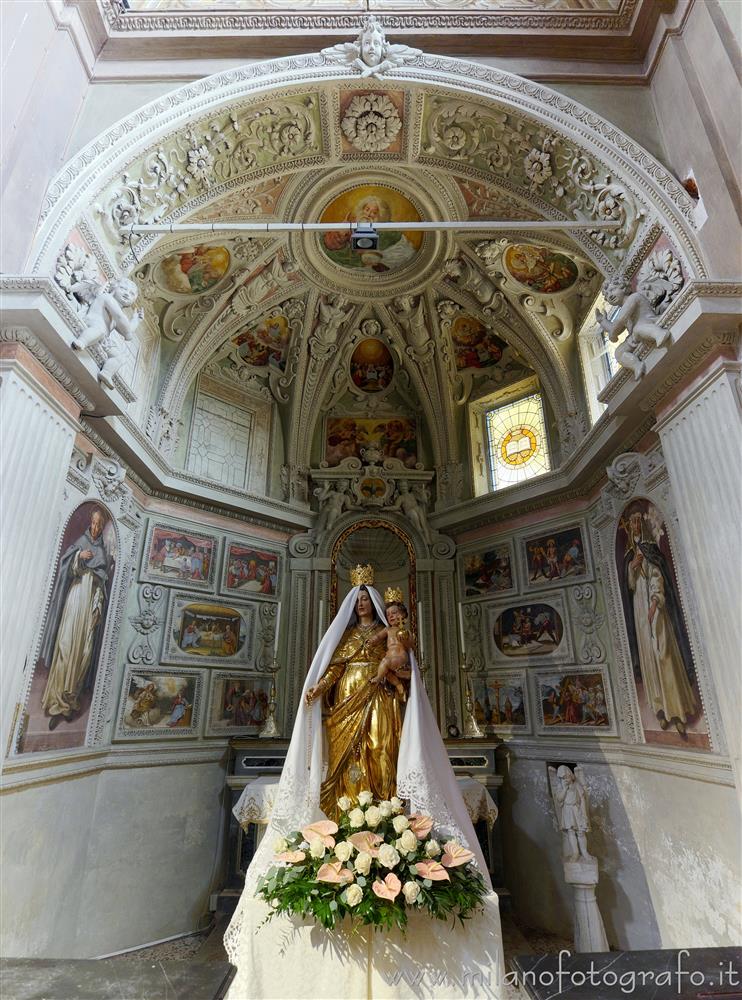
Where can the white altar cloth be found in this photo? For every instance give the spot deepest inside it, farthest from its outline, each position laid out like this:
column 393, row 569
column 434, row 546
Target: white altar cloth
column 292, row 959
column 256, row 802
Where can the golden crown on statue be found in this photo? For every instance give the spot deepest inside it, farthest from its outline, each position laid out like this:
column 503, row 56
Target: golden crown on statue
column 361, row 575
column 393, row 595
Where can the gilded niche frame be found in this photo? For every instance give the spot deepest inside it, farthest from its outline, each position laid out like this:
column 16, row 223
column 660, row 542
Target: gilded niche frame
column 376, row 523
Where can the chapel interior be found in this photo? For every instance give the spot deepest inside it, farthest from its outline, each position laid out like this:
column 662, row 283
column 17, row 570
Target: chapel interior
column 513, row 417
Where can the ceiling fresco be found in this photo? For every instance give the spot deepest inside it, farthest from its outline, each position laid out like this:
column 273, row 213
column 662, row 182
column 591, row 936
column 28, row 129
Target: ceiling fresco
column 425, row 322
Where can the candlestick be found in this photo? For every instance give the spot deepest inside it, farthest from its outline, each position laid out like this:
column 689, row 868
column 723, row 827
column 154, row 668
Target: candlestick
column 275, row 640
column 420, row 630
column 320, row 619
column 270, row 730
column 461, row 629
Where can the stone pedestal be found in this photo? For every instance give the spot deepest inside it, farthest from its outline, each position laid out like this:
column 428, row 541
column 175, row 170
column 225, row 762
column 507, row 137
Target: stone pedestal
column 582, row 875
column 701, row 430
column 38, row 422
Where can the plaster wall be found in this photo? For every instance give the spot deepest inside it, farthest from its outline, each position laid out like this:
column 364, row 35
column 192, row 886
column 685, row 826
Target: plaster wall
column 109, row 861
column 668, row 875
column 695, row 91
column 43, row 82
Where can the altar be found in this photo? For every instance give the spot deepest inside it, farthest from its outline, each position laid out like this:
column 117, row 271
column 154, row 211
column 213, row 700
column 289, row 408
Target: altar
column 253, row 773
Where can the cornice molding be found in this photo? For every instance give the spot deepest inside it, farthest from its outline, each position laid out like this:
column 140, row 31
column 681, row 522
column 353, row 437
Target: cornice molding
column 290, row 515
column 36, row 770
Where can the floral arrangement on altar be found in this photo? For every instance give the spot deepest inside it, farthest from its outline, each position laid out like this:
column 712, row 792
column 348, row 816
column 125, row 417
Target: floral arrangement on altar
column 375, row 864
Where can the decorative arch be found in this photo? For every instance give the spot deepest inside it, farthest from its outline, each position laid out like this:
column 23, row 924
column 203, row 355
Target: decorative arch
column 381, row 524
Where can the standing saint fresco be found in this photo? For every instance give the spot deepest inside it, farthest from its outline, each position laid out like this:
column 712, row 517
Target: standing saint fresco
column 77, row 612
column 660, row 651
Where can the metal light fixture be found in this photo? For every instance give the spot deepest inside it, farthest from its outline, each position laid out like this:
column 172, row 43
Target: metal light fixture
column 364, row 237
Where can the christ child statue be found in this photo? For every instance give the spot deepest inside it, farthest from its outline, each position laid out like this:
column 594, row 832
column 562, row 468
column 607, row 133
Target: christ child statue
column 395, row 666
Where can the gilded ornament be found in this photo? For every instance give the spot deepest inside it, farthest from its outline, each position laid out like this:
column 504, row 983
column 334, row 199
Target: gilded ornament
column 362, row 575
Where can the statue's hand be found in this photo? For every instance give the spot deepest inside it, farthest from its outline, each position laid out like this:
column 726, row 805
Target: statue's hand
column 311, row 695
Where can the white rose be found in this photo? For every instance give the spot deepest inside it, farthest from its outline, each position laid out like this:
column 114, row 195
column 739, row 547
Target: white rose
column 280, row 845
column 396, row 804
column 388, row 856
column 432, row 848
column 356, row 818
column 411, row 890
column 409, row 842
column 275, row 902
column 400, row 823
column 373, row 816
column 363, row 862
column 344, row 803
column 353, row 894
column 316, row 847
column 365, row 798
column 385, row 808
column 343, row 850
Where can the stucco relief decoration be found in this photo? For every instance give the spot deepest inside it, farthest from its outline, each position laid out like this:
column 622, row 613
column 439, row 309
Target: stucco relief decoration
column 371, row 54
column 528, row 156
column 638, row 318
column 206, row 155
column 147, row 624
column 75, row 265
column 371, row 123
column 553, row 287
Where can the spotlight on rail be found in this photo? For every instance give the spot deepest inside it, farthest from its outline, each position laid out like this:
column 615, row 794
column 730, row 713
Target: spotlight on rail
column 364, row 237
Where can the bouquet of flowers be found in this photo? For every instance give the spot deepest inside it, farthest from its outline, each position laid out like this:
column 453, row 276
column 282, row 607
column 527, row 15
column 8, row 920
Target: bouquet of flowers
column 374, row 865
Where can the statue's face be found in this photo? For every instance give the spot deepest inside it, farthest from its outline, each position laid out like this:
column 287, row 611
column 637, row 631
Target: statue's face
column 393, row 614
column 364, row 606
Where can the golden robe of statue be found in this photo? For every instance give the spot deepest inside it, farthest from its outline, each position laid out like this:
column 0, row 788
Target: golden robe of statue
column 363, row 722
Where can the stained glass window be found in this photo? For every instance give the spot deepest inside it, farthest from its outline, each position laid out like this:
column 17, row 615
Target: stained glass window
column 516, row 442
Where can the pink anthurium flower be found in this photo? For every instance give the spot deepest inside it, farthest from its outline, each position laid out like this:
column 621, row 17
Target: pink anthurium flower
column 432, row 870
column 455, row 855
column 366, row 841
column 323, row 829
column 293, row 857
column 389, row 888
column 335, row 873
column 421, row 825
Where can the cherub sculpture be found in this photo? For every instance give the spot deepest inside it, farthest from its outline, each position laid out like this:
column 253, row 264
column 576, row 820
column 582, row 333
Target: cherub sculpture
column 637, row 317
column 571, row 805
column 105, row 316
column 412, row 509
column 371, row 53
column 333, row 499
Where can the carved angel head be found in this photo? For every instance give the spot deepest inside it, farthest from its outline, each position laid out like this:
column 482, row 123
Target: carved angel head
column 616, row 289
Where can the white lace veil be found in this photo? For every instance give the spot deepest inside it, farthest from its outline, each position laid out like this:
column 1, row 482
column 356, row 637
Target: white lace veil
column 425, row 777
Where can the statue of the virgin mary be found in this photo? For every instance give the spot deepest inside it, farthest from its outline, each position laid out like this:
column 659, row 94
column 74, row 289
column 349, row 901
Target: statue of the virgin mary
column 372, row 738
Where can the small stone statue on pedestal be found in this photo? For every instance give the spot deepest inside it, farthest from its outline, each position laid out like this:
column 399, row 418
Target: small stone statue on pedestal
column 580, row 867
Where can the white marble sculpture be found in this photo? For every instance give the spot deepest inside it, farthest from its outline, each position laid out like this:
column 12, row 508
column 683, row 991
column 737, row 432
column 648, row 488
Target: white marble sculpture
column 570, row 800
column 105, row 317
column 571, row 804
column 371, row 53
column 637, row 317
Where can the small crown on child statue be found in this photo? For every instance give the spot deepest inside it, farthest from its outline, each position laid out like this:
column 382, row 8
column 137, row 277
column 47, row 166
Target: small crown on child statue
column 361, row 575
column 393, row 595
